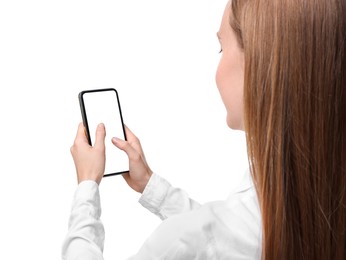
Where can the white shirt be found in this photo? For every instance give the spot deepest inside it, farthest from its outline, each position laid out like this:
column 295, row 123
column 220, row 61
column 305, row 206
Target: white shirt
column 229, row 229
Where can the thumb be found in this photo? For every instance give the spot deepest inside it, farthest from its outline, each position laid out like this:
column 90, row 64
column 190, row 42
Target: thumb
column 100, row 136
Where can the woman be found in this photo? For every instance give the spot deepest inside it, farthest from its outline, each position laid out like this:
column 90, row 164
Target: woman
column 282, row 78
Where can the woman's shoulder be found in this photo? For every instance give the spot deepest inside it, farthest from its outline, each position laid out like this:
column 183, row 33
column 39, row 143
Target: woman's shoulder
column 238, row 220
column 229, row 229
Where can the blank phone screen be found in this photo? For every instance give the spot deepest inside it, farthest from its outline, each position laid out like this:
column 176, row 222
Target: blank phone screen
column 102, row 106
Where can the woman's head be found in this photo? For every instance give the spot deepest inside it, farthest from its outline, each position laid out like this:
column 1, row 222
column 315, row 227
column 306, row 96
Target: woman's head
column 294, row 96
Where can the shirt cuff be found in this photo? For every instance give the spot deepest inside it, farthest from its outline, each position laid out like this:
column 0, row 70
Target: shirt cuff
column 154, row 194
column 88, row 191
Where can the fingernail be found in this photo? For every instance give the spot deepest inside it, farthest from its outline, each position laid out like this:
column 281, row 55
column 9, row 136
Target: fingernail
column 101, row 125
column 115, row 139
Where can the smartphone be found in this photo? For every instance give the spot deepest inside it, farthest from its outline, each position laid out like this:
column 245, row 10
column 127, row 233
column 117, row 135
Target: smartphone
column 103, row 106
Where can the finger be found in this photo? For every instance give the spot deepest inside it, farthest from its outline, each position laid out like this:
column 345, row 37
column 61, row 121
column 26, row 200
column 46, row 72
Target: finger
column 100, row 136
column 81, row 135
column 129, row 135
column 126, row 147
column 133, row 140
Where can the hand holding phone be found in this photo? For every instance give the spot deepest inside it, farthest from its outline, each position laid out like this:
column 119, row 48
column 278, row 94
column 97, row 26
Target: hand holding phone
column 103, row 106
column 89, row 161
column 140, row 171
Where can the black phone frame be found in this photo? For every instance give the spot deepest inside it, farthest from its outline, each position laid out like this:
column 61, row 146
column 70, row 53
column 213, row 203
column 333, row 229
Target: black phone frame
column 85, row 119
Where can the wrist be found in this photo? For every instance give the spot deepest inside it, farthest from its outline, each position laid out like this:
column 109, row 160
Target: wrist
column 139, row 184
column 88, row 178
column 144, row 183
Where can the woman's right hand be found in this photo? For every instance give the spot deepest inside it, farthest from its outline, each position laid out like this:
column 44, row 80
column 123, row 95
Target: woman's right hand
column 139, row 173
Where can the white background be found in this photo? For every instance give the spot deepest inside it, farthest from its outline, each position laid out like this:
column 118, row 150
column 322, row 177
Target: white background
column 161, row 56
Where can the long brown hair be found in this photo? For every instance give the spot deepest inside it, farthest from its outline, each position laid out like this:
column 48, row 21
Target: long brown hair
column 295, row 122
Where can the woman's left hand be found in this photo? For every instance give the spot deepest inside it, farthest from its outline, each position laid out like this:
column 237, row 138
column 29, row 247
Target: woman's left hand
column 89, row 160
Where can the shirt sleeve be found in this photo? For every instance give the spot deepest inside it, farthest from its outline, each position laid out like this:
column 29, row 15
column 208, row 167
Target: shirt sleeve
column 85, row 237
column 164, row 200
column 229, row 229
